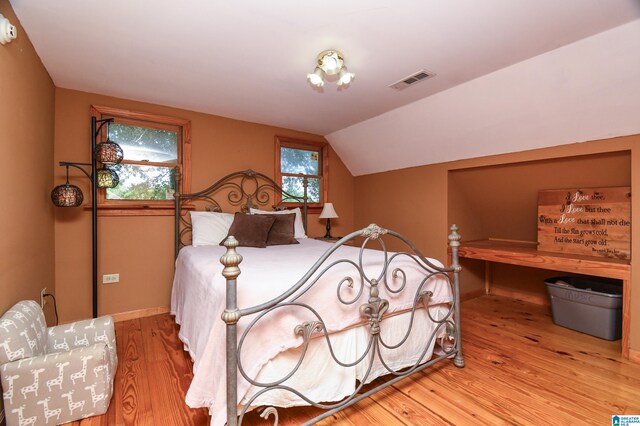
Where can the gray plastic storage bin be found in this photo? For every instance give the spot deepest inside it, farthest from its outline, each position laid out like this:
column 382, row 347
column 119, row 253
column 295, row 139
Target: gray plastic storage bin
column 588, row 304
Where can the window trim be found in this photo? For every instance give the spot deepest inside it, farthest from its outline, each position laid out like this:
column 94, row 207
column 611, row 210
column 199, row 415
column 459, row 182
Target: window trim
column 146, row 207
column 323, row 149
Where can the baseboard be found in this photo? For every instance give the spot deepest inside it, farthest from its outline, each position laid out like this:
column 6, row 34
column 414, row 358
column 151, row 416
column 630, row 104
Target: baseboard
column 518, row 295
column 472, row 295
column 634, row 356
column 140, row 313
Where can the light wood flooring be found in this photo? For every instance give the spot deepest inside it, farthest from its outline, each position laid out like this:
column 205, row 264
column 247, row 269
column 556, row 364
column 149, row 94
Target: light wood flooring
column 521, row 369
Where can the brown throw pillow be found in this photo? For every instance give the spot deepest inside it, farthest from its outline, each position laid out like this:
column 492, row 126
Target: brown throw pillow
column 250, row 230
column 283, row 230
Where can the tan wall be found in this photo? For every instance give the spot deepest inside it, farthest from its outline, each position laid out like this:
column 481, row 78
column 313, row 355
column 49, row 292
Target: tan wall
column 140, row 248
column 411, row 201
column 423, row 201
column 26, row 142
column 500, row 199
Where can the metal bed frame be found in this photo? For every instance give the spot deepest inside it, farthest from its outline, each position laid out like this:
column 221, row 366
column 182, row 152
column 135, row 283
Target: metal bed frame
column 249, row 189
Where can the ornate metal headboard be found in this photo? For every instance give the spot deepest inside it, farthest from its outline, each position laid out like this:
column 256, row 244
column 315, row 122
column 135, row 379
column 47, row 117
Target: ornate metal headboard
column 244, row 189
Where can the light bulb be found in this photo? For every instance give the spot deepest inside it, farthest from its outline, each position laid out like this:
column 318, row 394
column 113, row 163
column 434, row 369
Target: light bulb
column 330, row 63
column 345, row 76
column 316, row 78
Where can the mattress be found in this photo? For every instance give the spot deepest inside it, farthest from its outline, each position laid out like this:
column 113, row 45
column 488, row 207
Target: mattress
column 272, row 348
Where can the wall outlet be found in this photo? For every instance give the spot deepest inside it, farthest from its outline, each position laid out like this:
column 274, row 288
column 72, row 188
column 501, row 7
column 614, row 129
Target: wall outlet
column 110, row 278
column 42, row 299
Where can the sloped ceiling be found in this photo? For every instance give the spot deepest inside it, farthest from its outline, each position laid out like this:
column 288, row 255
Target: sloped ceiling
column 511, row 75
column 584, row 91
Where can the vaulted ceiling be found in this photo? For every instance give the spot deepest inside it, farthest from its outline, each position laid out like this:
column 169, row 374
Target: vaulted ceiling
column 510, row 75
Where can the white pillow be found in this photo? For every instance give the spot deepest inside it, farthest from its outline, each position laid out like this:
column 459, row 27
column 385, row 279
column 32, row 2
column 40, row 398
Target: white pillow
column 209, row 228
column 298, row 224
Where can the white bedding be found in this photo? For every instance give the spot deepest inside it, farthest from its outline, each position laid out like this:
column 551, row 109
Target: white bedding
column 198, row 299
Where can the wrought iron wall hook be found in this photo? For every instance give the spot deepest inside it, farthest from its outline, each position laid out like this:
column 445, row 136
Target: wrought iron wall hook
column 107, row 152
column 78, row 166
column 102, row 123
column 67, row 172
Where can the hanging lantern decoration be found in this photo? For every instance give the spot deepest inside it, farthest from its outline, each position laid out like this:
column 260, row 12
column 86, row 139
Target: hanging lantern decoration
column 67, row 195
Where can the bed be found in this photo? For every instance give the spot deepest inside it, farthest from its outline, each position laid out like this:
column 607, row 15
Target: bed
column 306, row 322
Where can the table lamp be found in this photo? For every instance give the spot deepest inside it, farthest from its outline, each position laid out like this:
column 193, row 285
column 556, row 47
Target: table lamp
column 328, row 212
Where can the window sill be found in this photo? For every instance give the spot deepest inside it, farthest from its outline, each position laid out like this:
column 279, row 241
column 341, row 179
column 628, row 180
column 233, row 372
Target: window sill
column 139, row 210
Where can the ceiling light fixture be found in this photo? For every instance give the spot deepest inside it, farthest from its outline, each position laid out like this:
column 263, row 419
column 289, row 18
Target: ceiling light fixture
column 8, row 31
column 330, row 63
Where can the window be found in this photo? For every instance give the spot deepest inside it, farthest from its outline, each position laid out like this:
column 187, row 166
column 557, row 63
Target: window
column 153, row 146
column 297, row 159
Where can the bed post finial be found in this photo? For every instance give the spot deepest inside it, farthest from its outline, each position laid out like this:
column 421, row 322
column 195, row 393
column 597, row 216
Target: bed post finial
column 231, row 259
column 454, row 237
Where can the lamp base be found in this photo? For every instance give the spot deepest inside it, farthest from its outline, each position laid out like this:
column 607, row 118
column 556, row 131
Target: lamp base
column 328, row 234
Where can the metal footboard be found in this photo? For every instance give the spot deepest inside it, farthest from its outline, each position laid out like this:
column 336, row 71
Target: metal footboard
column 373, row 311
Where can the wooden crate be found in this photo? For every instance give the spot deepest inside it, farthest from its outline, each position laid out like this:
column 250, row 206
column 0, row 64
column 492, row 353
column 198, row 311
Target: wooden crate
column 586, row 221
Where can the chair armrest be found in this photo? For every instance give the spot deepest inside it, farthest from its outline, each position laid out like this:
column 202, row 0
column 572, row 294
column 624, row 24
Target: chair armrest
column 53, row 379
column 81, row 333
column 84, row 333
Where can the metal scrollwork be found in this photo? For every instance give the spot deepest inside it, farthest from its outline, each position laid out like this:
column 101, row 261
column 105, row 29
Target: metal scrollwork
column 307, row 328
column 236, row 195
column 270, row 411
column 349, row 281
column 243, row 190
column 425, row 297
column 395, row 274
column 375, row 308
column 262, row 195
column 448, row 339
column 373, row 231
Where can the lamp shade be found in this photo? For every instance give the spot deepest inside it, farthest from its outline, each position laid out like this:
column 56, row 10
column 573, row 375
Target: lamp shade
column 108, row 152
column 107, row 178
column 328, row 212
column 67, row 195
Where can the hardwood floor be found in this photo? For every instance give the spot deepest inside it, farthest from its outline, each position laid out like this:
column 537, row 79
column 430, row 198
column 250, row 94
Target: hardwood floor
column 154, row 373
column 521, row 369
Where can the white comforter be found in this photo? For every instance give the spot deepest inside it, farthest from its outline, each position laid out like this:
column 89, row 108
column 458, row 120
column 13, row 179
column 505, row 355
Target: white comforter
column 198, row 300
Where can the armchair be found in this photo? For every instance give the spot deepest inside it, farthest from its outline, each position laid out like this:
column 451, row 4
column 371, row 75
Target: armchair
column 57, row 374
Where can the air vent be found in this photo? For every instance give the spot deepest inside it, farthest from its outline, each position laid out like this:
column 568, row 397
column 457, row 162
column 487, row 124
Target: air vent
column 412, row 79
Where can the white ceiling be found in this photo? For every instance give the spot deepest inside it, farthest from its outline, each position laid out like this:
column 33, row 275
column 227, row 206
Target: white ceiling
column 248, row 60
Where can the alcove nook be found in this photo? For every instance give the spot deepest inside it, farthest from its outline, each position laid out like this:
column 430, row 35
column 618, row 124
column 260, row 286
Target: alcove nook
column 499, row 202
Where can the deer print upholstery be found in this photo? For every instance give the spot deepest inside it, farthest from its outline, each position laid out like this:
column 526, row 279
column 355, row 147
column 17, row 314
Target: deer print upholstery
column 58, row 374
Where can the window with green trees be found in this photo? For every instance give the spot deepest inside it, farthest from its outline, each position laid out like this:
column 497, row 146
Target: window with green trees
column 297, row 159
column 153, row 146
